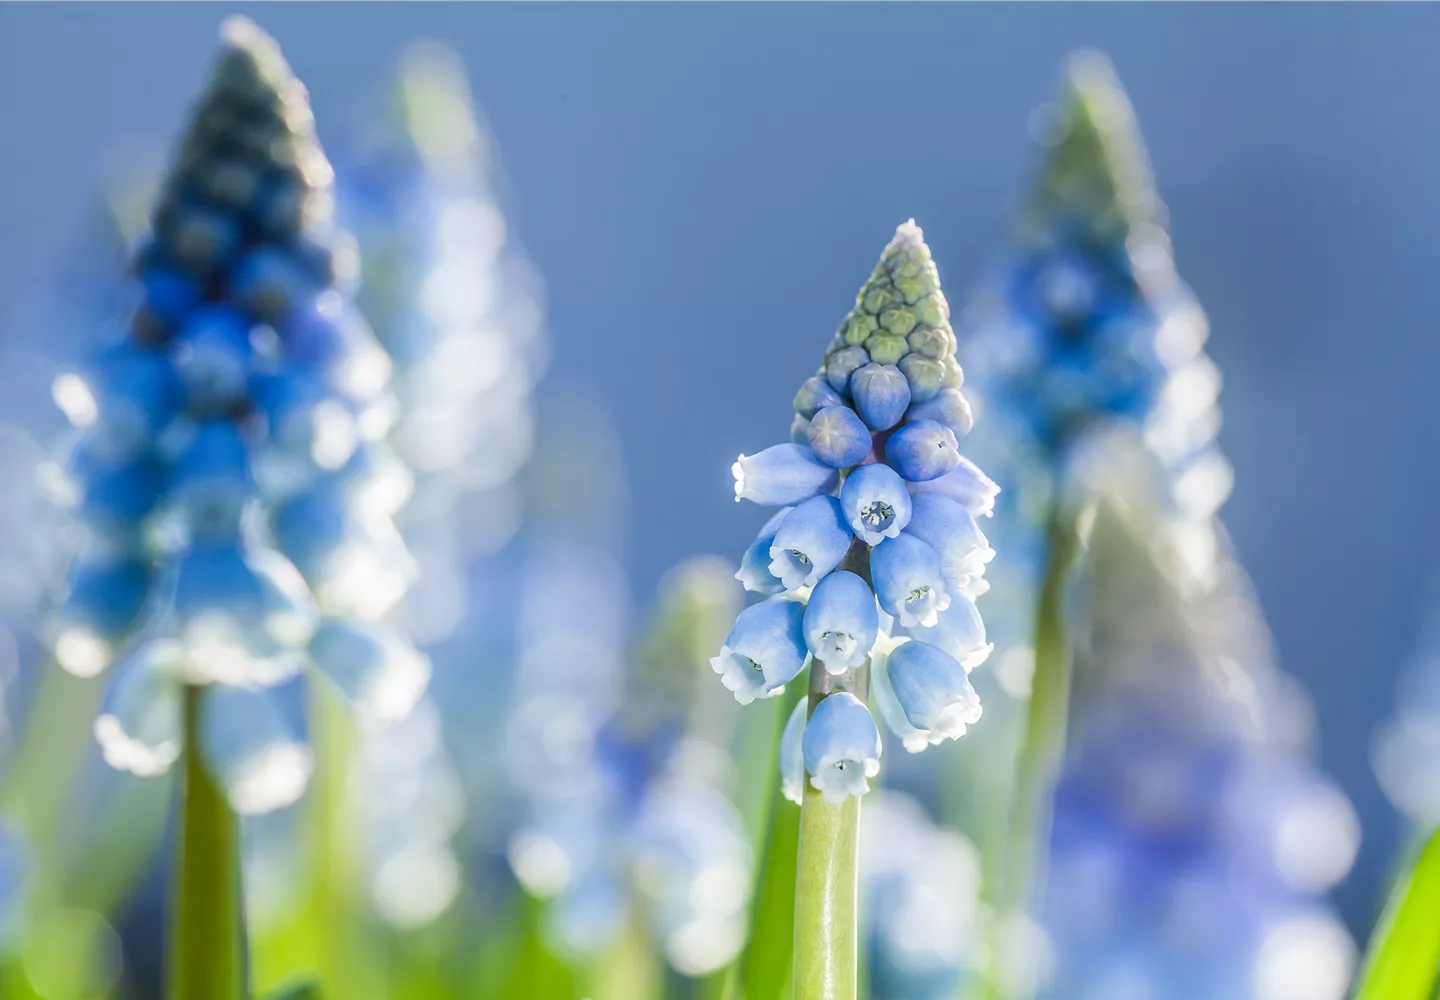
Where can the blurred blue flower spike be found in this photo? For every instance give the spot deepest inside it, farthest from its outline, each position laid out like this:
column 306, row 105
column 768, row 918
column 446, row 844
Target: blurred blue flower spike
column 232, row 476
column 875, row 440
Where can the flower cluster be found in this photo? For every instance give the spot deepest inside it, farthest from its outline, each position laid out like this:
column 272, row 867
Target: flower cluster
column 236, row 495
column 1193, row 838
column 875, row 555
column 458, row 307
column 1087, row 332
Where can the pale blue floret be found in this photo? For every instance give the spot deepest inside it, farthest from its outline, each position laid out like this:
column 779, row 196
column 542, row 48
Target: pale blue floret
column 881, row 394
column 841, row 622
column 139, row 728
column 792, row 758
column 809, row 543
column 765, row 649
column 876, row 503
column 782, row 474
column 212, row 355
column 922, row 451
column 966, row 485
column 908, row 580
column 841, row 747
column 253, row 742
column 754, row 573
column 949, row 529
column 838, row 437
column 949, row 408
column 815, row 395
column 377, row 671
column 932, row 691
column 960, row 631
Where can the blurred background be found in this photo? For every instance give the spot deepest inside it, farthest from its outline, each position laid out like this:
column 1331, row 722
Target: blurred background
column 702, row 187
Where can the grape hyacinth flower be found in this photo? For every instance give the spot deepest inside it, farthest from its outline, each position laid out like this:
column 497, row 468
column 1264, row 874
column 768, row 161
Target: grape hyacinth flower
column 234, row 486
column 876, row 441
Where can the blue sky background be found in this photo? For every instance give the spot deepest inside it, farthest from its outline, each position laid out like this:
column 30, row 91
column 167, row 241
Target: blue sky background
column 705, row 186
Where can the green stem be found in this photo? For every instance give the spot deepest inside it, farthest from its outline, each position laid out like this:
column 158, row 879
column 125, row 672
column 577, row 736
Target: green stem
column 827, row 875
column 1404, row 953
column 1022, row 874
column 207, row 932
column 764, row 969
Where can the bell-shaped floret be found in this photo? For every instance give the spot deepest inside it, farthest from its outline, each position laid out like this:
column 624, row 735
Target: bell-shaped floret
column 959, row 631
column 841, row 622
column 838, row 437
column 380, row 673
column 782, row 474
column 213, row 354
column 244, row 615
column 792, row 758
column 924, row 695
column 139, row 726
column 841, row 746
column 876, row 503
column 966, row 485
column 765, row 649
column 211, row 484
column 949, row 529
column 809, row 543
column 922, row 451
column 754, row 573
column 253, row 741
column 909, row 581
column 881, row 394
column 107, row 592
column 949, row 408
column 815, row 395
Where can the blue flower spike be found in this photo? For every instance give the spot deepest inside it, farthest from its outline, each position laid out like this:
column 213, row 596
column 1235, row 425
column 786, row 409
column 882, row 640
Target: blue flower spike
column 841, row 747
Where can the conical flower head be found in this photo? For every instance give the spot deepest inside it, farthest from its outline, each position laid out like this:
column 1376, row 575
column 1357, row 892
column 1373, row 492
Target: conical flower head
column 232, row 477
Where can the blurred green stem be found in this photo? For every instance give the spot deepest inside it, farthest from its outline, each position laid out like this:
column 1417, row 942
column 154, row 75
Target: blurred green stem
column 207, row 934
column 1404, row 954
column 1022, row 873
column 764, row 968
column 827, row 876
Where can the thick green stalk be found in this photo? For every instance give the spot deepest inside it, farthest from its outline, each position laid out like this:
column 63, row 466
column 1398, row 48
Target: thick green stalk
column 764, row 969
column 1022, row 873
column 827, row 875
column 1404, row 954
column 207, row 931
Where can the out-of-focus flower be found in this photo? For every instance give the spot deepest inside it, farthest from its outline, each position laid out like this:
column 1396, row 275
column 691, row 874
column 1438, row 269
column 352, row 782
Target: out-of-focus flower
column 231, row 475
column 1406, row 750
column 845, row 576
column 1194, row 838
column 923, row 919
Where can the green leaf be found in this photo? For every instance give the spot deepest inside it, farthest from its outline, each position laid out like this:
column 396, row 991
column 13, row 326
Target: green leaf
column 1404, row 954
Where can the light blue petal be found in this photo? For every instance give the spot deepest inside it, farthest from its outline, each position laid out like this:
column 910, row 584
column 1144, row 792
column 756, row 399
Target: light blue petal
column 254, row 747
column 908, row 580
column 966, row 485
column 922, row 451
column 754, row 573
column 949, row 529
column 876, row 503
column 959, row 631
column 782, row 474
column 841, row 747
column 792, row 759
column 841, row 622
column 380, row 673
column 839, row 438
column 949, row 408
column 139, row 727
column 809, row 543
column 881, row 394
column 765, row 649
